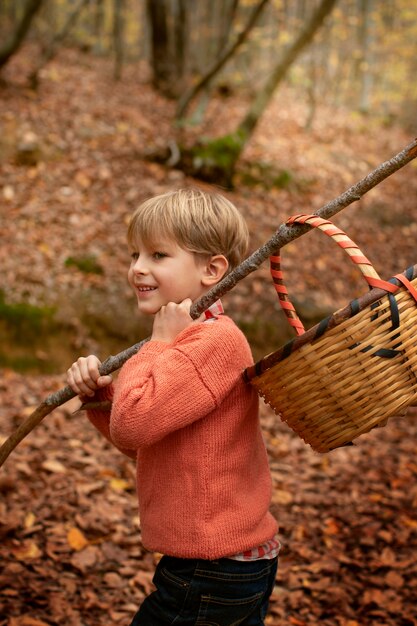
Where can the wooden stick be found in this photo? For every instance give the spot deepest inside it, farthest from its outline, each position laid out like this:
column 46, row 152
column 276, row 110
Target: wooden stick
column 282, row 236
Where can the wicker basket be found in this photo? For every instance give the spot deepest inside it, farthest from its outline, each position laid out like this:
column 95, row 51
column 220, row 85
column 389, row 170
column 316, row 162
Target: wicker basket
column 352, row 371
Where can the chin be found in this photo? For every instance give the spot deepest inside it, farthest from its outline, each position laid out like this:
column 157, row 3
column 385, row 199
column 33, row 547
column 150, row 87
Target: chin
column 146, row 310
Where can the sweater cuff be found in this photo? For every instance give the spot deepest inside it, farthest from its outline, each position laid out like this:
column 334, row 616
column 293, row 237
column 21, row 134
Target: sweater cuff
column 105, row 393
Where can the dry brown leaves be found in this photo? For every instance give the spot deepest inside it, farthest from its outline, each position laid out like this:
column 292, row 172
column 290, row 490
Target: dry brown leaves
column 70, row 537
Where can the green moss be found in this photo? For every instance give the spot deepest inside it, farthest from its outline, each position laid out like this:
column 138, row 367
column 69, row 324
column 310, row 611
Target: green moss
column 266, row 175
column 24, row 320
column 283, row 179
column 27, row 363
column 87, row 264
column 215, row 160
column 222, row 152
column 24, row 332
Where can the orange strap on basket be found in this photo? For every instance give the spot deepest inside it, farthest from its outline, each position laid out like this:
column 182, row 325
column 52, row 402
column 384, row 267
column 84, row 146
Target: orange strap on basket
column 343, row 241
column 404, row 280
column 282, row 292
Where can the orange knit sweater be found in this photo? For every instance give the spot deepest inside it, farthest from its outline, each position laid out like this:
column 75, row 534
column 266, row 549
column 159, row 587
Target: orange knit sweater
column 184, row 411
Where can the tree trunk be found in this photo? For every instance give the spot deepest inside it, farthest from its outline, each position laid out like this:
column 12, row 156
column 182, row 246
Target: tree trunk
column 16, row 40
column 98, row 26
column 365, row 37
column 118, row 38
column 226, row 21
column 180, row 39
column 159, row 44
column 216, row 160
column 168, row 27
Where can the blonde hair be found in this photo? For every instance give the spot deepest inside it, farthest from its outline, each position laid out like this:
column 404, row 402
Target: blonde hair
column 199, row 221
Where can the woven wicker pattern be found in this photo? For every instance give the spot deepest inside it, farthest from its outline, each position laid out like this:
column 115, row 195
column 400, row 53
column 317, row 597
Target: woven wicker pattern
column 358, row 368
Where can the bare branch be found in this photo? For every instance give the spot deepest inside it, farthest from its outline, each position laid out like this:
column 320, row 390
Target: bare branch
column 282, row 237
column 225, row 55
column 16, row 40
column 50, row 51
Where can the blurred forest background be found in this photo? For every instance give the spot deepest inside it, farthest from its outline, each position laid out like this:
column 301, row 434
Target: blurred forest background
column 107, row 102
column 282, row 104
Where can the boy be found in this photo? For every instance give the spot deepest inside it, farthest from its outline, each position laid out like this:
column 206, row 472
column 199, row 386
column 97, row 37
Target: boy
column 182, row 410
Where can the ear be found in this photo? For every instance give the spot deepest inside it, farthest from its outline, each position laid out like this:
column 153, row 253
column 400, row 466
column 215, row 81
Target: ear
column 214, row 270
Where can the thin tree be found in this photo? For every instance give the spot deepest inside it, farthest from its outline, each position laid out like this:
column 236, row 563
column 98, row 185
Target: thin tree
column 118, row 24
column 365, row 40
column 217, row 159
column 263, row 97
column 168, row 31
column 227, row 17
column 51, row 49
column 226, row 54
column 17, row 38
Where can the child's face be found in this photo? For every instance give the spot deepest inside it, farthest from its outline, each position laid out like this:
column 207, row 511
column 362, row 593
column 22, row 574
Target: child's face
column 164, row 273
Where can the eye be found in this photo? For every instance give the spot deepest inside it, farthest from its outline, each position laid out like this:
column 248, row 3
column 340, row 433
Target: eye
column 159, row 255
column 134, row 256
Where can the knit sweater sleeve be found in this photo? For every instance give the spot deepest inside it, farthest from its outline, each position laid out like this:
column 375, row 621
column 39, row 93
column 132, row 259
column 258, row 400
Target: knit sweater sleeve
column 168, row 386
column 101, row 418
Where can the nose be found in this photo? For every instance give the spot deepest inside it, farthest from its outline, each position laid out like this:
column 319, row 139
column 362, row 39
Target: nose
column 139, row 266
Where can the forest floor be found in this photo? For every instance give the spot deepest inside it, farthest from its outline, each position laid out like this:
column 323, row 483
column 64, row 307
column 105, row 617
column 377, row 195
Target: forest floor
column 73, row 166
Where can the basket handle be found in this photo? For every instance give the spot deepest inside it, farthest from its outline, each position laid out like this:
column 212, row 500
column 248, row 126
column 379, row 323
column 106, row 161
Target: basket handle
column 339, row 236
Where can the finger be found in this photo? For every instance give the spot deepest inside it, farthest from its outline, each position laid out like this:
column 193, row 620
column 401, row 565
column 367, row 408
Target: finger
column 93, row 365
column 161, row 311
column 103, row 381
column 82, row 377
column 71, row 382
column 76, row 383
column 185, row 306
column 187, row 303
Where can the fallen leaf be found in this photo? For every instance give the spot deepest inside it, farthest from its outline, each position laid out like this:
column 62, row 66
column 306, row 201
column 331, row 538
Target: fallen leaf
column 113, row 580
column 76, row 539
column 29, row 520
column 297, row 622
column 374, row 596
column 144, row 579
column 54, row 466
column 279, row 496
column 26, row 411
column 85, row 559
column 331, row 527
column 25, row 620
column 394, row 580
column 27, row 551
column 119, row 484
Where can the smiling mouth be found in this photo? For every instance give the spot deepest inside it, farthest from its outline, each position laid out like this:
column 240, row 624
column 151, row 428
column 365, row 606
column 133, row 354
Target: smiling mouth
column 145, row 289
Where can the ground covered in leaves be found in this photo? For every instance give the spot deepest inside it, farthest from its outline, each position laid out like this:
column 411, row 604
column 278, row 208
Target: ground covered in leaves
column 70, row 537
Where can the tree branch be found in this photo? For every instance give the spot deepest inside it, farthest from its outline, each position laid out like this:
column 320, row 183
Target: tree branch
column 263, row 97
column 282, row 236
column 50, row 51
column 15, row 41
column 225, row 55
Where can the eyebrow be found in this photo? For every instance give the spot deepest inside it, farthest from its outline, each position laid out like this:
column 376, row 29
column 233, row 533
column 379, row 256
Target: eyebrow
column 154, row 243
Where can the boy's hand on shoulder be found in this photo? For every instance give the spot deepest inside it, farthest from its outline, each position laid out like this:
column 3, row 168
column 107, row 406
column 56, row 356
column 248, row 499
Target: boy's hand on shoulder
column 84, row 377
column 171, row 319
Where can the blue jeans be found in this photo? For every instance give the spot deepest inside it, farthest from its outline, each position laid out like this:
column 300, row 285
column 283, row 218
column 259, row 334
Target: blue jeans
column 193, row 592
